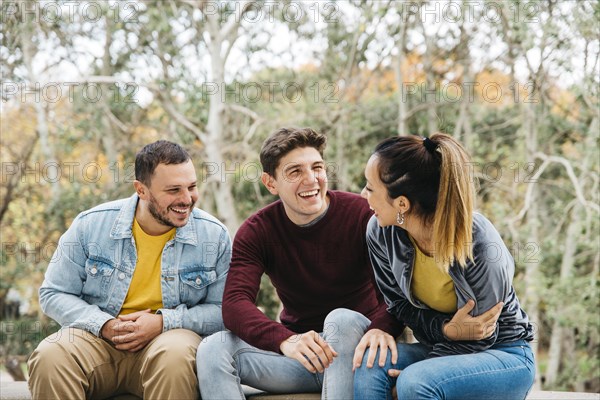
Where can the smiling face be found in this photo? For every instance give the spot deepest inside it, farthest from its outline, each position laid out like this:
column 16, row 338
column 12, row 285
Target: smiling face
column 377, row 196
column 300, row 181
column 169, row 199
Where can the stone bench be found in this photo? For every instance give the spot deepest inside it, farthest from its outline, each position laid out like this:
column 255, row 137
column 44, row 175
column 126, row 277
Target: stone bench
column 534, row 395
column 20, row 391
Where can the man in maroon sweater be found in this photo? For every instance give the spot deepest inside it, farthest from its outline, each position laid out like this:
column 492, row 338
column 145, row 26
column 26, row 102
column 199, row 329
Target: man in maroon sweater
column 311, row 243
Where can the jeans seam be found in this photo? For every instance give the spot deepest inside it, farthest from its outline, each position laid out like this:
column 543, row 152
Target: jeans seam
column 389, row 388
column 523, row 358
column 479, row 373
column 528, row 360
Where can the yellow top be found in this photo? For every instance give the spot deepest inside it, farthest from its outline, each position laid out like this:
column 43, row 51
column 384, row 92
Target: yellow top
column 430, row 285
column 144, row 290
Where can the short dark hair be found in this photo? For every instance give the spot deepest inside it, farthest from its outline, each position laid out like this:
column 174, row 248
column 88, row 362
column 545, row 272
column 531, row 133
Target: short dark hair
column 284, row 140
column 159, row 152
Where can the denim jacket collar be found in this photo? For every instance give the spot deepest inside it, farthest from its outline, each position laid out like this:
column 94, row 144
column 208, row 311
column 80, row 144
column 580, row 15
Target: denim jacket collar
column 122, row 227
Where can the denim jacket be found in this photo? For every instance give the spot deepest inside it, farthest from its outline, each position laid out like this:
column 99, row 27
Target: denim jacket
column 91, row 270
column 487, row 279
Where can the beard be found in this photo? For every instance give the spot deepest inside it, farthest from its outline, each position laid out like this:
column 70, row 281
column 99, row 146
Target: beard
column 161, row 214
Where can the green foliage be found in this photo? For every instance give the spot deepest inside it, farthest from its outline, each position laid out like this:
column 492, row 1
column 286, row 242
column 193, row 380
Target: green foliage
column 21, row 336
column 267, row 298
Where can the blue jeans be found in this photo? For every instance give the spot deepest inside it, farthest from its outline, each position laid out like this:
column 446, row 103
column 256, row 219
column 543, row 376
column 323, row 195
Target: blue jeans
column 225, row 362
column 505, row 371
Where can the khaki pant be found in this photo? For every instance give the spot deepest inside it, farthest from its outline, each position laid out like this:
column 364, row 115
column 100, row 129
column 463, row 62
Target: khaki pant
column 75, row 364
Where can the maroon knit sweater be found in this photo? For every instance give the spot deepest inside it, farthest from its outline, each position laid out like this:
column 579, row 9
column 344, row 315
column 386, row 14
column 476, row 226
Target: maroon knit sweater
column 314, row 269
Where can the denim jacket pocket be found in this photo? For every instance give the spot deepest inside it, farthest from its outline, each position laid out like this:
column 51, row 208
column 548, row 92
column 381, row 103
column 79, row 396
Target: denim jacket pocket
column 194, row 283
column 98, row 279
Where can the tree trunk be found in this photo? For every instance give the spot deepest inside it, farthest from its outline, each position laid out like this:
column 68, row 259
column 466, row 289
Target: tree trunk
column 215, row 129
column 342, row 182
column 13, row 367
column 532, row 274
column 402, row 109
column 566, row 268
column 27, row 44
column 463, row 128
column 107, row 137
column 430, row 87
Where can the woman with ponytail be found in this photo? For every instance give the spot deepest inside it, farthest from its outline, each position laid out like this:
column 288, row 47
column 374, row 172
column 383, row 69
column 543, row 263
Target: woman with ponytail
column 445, row 272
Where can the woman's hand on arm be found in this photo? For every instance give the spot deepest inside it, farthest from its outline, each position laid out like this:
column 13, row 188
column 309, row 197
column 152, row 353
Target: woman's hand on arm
column 463, row 326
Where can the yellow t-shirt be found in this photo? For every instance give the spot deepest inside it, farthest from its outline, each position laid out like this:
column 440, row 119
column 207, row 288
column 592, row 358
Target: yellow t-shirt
column 432, row 286
column 145, row 291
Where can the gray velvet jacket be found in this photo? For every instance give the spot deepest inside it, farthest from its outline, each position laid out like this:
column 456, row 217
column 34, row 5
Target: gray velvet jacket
column 487, row 279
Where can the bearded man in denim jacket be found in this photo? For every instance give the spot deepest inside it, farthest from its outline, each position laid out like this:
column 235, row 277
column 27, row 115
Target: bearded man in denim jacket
column 133, row 283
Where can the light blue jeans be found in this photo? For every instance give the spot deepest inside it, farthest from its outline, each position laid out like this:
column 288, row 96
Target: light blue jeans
column 505, row 371
column 225, row 362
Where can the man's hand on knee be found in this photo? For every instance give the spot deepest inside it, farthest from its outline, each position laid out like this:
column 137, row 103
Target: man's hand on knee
column 313, row 352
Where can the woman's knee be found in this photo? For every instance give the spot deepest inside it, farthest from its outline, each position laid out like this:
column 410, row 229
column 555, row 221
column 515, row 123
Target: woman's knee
column 375, row 370
column 372, row 382
column 413, row 383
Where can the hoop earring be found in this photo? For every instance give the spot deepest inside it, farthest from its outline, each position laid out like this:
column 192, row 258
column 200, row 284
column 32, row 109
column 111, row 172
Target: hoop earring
column 400, row 218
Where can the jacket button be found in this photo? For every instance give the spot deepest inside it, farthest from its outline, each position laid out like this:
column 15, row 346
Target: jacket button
column 94, row 270
column 198, row 281
column 121, row 276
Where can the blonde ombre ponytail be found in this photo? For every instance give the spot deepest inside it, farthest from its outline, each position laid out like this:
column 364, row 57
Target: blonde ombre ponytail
column 453, row 217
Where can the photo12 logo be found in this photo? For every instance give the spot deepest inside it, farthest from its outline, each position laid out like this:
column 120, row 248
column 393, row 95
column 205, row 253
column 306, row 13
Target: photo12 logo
column 272, row 92
column 52, row 12
column 271, row 11
column 67, row 171
column 54, row 92
column 491, row 12
column 454, row 92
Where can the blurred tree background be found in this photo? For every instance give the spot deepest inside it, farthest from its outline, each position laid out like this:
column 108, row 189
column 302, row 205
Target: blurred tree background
column 86, row 84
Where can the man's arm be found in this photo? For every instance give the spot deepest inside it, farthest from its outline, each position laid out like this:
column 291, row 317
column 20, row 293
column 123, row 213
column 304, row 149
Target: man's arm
column 60, row 293
column 243, row 318
column 240, row 313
